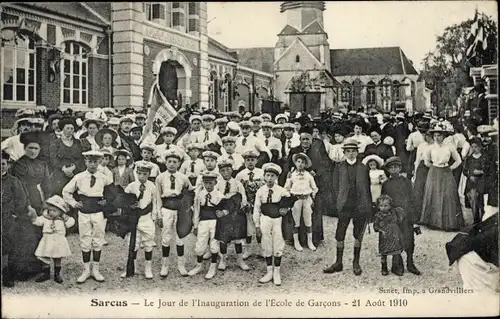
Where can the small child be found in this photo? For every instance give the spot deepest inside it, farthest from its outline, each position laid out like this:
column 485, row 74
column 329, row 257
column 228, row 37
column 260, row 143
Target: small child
column 210, row 160
column 123, row 174
column 229, row 145
column 301, row 183
column 206, row 212
column 390, row 241
column 147, row 209
column 474, row 168
column 106, row 163
column 377, row 174
column 252, row 179
column 232, row 227
column 193, row 167
column 53, row 245
column 400, row 190
column 267, row 216
column 148, row 150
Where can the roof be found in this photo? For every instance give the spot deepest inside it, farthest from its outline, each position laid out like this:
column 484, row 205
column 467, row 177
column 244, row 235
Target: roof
column 260, row 59
column 220, row 51
column 314, row 28
column 102, row 8
column 289, row 30
column 74, row 10
column 370, row 61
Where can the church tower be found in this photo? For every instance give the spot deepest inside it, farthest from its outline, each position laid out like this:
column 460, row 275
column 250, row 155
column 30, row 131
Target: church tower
column 302, row 51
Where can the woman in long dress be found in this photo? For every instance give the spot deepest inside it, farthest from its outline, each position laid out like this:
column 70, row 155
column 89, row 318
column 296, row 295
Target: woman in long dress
column 441, row 205
column 421, row 171
column 33, row 173
column 66, row 158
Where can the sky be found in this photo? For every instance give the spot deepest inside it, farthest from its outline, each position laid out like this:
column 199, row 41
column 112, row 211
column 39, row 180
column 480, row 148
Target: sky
column 411, row 25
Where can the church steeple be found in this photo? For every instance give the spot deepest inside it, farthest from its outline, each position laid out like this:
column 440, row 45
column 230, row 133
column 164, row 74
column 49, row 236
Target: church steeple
column 302, row 13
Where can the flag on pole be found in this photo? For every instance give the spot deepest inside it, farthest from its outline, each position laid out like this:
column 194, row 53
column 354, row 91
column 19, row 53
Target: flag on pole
column 158, row 103
column 159, row 110
column 477, row 39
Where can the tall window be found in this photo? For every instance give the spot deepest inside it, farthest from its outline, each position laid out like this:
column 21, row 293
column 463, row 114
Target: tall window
column 395, row 91
column 225, row 90
column 194, row 17
column 74, row 75
column 179, row 16
column 212, row 90
column 346, row 92
column 154, row 11
column 18, row 71
column 370, row 93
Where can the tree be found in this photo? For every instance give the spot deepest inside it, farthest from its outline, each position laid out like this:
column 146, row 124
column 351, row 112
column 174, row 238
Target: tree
column 446, row 69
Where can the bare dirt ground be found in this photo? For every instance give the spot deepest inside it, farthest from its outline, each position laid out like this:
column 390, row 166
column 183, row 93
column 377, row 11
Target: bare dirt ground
column 301, row 271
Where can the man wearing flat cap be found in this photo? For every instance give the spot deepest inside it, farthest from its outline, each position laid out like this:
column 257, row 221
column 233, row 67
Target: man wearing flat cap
column 353, row 200
column 127, row 141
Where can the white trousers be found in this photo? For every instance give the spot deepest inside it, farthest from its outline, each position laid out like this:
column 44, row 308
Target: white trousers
column 477, row 274
column 272, row 236
column 206, row 234
column 302, row 207
column 91, row 228
column 145, row 233
column 169, row 231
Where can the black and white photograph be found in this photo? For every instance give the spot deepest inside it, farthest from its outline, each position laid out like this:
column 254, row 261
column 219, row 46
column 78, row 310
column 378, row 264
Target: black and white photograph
column 249, row 159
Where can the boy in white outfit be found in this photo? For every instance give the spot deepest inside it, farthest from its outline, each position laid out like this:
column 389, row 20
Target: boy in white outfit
column 89, row 186
column 206, row 212
column 267, row 216
column 252, row 179
column 147, row 207
column 301, row 183
column 170, row 185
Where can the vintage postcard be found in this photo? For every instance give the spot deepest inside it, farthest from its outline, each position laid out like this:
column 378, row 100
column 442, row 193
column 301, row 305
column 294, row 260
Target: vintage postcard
column 249, row 159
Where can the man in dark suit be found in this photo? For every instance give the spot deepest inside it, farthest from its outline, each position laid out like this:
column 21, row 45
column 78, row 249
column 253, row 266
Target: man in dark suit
column 351, row 189
column 387, row 128
column 127, row 141
column 401, row 133
column 322, row 170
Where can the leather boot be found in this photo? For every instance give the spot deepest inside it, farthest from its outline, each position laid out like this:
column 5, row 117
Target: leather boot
column 410, row 266
column 385, row 271
column 355, row 263
column 57, row 275
column 45, row 275
column 397, row 265
column 7, row 277
column 337, row 266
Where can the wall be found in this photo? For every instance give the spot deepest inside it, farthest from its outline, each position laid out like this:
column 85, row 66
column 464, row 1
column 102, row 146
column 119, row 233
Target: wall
column 98, row 82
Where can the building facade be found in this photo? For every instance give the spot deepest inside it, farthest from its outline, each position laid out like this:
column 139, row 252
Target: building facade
column 309, row 76
column 81, row 55
column 51, row 59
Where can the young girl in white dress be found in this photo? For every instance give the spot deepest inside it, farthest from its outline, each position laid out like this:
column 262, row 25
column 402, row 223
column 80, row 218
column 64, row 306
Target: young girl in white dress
column 377, row 174
column 53, row 245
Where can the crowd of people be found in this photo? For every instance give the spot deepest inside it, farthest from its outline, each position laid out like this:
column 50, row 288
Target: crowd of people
column 232, row 178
